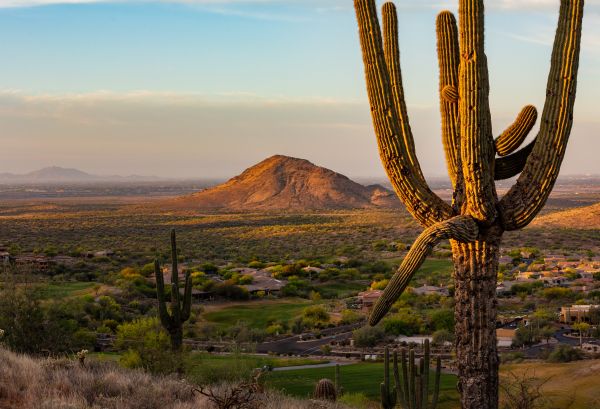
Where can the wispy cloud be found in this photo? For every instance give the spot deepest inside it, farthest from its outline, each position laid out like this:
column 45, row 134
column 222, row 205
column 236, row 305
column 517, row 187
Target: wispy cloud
column 322, row 4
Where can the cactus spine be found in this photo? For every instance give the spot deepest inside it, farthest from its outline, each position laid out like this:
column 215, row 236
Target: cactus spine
column 180, row 308
column 476, row 219
column 388, row 393
column 325, row 390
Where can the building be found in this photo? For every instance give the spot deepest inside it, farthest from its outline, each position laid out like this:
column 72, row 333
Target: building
column 505, row 287
column 4, row 258
column 505, row 337
column 577, row 313
column 431, row 290
column 262, row 281
column 554, row 281
column 32, row 262
column 367, row 299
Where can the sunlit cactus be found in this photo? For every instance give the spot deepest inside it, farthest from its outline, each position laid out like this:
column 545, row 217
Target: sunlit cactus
column 477, row 218
column 325, row 390
column 180, row 308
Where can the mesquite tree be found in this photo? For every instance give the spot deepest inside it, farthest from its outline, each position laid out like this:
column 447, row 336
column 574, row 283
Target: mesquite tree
column 476, row 219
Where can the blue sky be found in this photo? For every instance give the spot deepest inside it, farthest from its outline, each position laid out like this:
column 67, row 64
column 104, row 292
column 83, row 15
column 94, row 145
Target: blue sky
column 206, row 88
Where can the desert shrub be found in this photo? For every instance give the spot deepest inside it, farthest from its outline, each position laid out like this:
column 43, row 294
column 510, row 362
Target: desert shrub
column 404, row 322
column 315, row 316
column 440, row 337
column 146, row 345
column 442, row 320
column 368, row 336
column 231, row 292
column 356, row 400
column 565, row 353
column 350, row 317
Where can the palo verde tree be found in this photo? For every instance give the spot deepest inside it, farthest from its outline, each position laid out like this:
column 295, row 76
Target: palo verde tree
column 477, row 218
column 180, row 308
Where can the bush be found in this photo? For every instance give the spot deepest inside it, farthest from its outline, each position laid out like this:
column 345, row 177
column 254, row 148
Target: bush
column 565, row 353
column 146, row 345
column 368, row 336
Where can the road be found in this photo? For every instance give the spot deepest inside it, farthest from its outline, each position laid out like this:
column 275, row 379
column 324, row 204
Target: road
column 296, row 346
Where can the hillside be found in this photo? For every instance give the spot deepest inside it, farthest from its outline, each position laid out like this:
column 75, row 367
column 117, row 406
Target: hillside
column 27, row 382
column 285, row 183
column 587, row 217
column 57, row 174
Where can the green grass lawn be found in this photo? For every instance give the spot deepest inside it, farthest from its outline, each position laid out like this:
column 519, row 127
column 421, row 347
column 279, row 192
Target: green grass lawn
column 363, row 378
column 258, row 314
column 340, row 289
column 66, row 289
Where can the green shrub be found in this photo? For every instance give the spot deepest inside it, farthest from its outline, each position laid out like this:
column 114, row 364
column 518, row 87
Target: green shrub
column 565, row 353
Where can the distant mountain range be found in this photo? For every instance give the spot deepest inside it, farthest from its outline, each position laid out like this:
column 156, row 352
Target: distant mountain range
column 282, row 183
column 55, row 174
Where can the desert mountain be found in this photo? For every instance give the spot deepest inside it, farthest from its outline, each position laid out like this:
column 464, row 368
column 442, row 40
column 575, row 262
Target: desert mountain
column 56, row 174
column 282, row 182
column 587, row 217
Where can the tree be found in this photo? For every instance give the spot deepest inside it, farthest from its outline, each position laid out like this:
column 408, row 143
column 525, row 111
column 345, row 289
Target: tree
column 476, row 219
column 583, row 328
column 145, row 345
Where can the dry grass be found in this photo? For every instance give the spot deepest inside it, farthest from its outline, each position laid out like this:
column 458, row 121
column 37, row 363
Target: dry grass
column 27, row 382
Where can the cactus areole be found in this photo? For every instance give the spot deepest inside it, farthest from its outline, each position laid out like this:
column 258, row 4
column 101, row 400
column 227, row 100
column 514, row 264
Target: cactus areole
column 476, row 219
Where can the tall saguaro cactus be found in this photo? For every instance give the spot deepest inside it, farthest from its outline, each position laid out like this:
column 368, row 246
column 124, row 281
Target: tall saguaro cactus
column 476, row 219
column 180, row 308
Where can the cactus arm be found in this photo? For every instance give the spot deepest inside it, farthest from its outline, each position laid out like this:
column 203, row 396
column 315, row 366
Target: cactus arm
column 436, row 390
column 165, row 318
column 477, row 144
column 461, row 228
column 426, row 375
column 420, row 201
column 527, row 197
column 405, row 387
column 391, row 51
column 411, row 378
column 398, row 381
column 175, row 296
column 514, row 135
column 512, row 165
column 186, row 308
column 449, row 60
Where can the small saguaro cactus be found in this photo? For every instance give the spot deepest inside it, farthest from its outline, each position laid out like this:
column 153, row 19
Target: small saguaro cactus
column 338, row 381
column 477, row 218
column 325, row 390
column 388, row 392
column 180, row 308
column 413, row 387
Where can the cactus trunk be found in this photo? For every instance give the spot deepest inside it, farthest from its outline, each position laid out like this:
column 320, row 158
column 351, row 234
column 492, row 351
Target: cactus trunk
column 475, row 311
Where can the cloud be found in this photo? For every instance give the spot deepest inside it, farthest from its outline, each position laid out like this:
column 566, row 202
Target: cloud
column 329, row 5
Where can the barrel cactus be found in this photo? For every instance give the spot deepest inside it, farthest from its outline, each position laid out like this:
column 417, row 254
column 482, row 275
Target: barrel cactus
column 325, row 390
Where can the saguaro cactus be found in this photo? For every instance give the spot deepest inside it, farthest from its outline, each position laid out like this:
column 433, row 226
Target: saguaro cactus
column 180, row 308
column 388, row 393
column 476, row 219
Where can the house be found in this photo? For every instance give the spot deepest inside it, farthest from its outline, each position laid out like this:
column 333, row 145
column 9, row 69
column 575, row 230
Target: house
column 262, row 281
column 527, row 275
column 32, row 262
column 506, row 260
column 554, row 281
column 64, row 261
column 368, row 299
column 431, row 290
column 505, row 337
column 313, row 270
column 577, row 313
column 505, row 287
